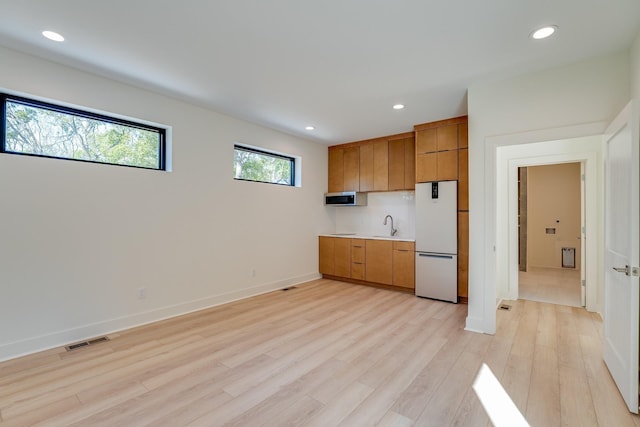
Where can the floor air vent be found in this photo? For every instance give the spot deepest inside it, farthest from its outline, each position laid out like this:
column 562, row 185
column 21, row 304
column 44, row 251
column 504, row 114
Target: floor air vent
column 78, row 345
column 288, row 289
column 504, row 307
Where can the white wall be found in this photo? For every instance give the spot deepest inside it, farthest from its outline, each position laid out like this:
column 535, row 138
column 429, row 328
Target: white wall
column 78, row 240
column 368, row 220
column 566, row 102
column 553, row 201
column 635, row 68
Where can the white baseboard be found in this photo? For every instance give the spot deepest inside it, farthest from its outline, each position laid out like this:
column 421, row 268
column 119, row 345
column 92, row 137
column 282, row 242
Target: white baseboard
column 474, row 324
column 61, row 338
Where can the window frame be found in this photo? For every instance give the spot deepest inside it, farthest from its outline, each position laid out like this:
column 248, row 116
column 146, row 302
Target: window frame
column 261, row 151
column 58, row 108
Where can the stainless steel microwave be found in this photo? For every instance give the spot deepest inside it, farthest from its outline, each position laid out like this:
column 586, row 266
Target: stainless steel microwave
column 346, row 198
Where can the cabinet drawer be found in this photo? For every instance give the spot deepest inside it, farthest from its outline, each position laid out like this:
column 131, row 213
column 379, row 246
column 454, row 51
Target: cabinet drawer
column 357, row 270
column 404, row 246
column 357, row 254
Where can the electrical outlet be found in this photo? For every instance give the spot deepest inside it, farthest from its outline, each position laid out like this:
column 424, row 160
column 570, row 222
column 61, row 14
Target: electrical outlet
column 142, row 293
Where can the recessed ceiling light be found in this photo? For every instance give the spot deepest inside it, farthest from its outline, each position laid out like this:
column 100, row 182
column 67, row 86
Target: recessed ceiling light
column 398, row 106
column 544, row 32
column 309, row 127
column 52, row 35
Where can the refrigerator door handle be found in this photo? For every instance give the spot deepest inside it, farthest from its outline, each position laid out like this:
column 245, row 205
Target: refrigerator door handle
column 436, row 256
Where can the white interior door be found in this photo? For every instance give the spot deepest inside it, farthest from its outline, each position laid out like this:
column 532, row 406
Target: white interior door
column 621, row 315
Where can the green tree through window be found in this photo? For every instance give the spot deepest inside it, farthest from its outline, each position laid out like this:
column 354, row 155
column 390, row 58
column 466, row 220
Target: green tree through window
column 45, row 130
column 256, row 165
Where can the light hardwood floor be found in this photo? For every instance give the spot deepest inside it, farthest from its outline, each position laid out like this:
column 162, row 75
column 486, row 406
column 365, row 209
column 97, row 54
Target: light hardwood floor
column 553, row 285
column 326, row 353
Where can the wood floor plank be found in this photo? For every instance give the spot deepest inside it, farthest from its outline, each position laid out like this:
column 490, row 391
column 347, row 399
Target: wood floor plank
column 443, row 406
column 342, row 404
column 327, row 353
column 543, row 404
column 393, row 419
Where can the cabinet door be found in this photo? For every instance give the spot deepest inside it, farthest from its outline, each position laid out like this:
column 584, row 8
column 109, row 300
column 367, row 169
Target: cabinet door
column 351, row 168
column 336, row 170
column 426, row 167
column 381, row 166
column 410, row 163
column 379, row 259
column 357, row 250
column 325, row 250
column 463, row 179
column 426, row 141
column 447, row 138
column 463, row 254
column 447, row 165
column 463, row 135
column 404, row 264
column 396, row 164
column 366, row 167
column 342, row 257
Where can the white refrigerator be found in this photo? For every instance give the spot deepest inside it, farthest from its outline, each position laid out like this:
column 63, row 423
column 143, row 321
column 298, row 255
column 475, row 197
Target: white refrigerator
column 437, row 240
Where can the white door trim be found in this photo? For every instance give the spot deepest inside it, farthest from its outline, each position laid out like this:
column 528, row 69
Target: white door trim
column 589, row 256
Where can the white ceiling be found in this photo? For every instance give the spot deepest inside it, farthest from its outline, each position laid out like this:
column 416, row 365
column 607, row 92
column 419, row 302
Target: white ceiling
column 336, row 64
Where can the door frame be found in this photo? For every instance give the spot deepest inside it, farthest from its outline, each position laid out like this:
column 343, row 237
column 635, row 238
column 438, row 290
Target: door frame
column 586, row 150
column 588, row 162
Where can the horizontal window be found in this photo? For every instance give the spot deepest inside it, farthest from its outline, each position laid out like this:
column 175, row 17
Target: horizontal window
column 41, row 129
column 251, row 164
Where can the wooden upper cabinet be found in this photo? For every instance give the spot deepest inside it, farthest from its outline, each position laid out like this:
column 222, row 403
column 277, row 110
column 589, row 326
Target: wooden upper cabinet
column 426, row 167
column 374, row 166
column 381, row 166
column 351, row 169
column 366, row 167
column 410, row 163
column 336, row 169
column 396, row 164
column 402, row 164
column 447, row 138
column 463, row 179
column 463, row 135
column 344, row 169
column 437, row 146
column 426, row 141
column 447, row 165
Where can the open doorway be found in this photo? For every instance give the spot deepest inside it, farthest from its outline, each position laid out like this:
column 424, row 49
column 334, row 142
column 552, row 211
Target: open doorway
column 549, row 233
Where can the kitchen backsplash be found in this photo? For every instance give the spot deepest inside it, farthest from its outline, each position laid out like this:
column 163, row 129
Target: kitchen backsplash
column 367, row 220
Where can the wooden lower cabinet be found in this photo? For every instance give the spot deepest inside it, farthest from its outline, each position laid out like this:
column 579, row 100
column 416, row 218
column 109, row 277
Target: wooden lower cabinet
column 325, row 251
column 404, row 264
column 379, row 261
column 342, row 257
column 334, row 256
column 357, row 259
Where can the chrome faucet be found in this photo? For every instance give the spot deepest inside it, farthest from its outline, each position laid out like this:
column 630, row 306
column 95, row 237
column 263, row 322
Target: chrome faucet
column 393, row 230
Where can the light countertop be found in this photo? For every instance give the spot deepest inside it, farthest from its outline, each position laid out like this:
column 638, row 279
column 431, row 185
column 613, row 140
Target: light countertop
column 364, row 236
